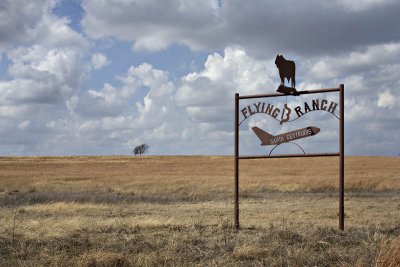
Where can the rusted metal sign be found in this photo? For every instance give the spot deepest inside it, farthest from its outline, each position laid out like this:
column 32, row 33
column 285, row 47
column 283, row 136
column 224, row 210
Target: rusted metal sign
column 287, row 69
column 268, row 139
column 285, row 114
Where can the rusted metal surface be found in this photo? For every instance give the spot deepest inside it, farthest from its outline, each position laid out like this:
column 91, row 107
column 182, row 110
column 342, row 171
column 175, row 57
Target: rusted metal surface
column 268, row 140
column 287, row 69
column 317, row 91
column 306, row 92
column 284, row 113
column 341, row 159
column 287, row 90
column 236, row 159
column 309, row 155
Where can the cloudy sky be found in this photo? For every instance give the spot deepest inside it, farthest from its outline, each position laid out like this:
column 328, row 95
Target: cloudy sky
column 91, row 77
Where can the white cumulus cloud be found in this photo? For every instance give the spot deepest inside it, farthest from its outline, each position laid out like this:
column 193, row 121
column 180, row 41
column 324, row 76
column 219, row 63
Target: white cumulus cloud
column 99, row 60
column 46, row 106
column 387, row 100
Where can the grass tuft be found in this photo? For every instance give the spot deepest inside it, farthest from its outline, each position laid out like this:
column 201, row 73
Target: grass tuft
column 389, row 253
column 102, row 259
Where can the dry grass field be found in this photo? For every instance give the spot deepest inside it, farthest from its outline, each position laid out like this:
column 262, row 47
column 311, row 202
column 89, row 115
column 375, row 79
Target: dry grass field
column 177, row 211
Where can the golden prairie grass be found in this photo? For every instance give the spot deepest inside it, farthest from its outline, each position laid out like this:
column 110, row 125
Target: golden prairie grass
column 389, row 253
column 177, row 211
column 193, row 176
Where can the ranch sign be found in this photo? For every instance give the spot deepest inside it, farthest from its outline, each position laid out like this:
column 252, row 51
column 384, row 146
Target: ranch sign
column 286, row 114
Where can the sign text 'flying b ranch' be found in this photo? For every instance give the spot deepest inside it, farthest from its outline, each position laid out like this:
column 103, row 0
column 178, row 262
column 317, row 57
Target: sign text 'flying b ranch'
column 286, row 114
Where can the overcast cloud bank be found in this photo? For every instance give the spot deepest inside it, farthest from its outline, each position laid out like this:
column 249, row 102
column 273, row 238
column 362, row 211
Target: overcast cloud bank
column 45, row 110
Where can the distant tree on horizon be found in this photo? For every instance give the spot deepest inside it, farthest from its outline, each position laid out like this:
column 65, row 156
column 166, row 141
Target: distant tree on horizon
column 139, row 150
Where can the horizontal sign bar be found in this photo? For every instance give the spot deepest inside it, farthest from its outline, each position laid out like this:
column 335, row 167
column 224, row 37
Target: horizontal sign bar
column 290, row 156
column 299, row 92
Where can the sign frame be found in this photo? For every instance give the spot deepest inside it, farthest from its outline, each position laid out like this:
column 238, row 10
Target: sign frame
column 340, row 89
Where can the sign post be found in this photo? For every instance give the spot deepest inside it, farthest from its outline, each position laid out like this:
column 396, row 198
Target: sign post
column 341, row 149
column 236, row 161
column 277, row 140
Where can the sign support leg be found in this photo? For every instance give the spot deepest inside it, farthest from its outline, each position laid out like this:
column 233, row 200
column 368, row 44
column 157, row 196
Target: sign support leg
column 341, row 153
column 236, row 160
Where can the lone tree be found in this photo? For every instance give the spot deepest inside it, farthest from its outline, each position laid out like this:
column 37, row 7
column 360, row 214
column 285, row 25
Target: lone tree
column 139, row 150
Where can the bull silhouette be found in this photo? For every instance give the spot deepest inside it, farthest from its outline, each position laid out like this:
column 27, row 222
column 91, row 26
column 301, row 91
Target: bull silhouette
column 287, row 69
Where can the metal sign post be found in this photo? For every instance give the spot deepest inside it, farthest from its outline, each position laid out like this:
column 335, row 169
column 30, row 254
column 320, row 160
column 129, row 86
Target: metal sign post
column 341, row 149
column 236, row 208
column 237, row 157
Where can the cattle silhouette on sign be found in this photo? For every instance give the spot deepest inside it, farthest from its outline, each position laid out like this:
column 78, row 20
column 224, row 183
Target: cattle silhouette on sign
column 287, row 69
